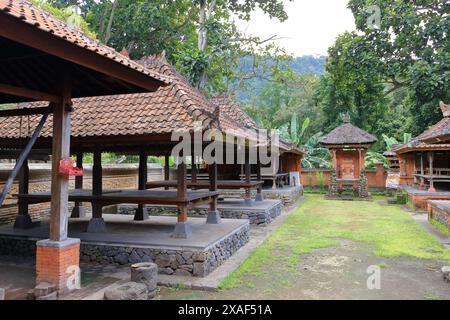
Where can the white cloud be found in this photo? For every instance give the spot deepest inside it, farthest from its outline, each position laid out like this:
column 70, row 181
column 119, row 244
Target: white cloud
column 311, row 29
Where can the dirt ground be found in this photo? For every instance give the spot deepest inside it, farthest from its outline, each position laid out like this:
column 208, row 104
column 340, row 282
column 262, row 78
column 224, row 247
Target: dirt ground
column 339, row 273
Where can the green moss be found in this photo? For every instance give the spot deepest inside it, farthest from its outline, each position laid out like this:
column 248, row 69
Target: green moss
column 318, row 223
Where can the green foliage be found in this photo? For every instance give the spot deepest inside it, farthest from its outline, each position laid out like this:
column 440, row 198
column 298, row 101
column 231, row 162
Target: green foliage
column 372, row 158
column 67, row 13
column 390, row 78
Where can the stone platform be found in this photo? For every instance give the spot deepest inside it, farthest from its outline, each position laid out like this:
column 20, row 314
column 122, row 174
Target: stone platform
column 287, row 194
column 259, row 213
column 127, row 242
column 439, row 210
column 419, row 198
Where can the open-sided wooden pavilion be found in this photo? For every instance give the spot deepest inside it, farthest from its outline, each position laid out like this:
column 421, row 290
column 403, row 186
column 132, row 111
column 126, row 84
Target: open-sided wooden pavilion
column 290, row 156
column 129, row 124
column 425, row 162
column 43, row 59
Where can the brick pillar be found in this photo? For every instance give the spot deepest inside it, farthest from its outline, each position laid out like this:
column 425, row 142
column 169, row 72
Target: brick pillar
column 379, row 175
column 57, row 262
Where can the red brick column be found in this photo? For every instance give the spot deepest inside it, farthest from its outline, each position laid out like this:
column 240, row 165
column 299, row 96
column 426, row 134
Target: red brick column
column 57, row 262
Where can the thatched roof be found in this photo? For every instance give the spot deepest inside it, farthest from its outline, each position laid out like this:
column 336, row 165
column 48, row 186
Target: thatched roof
column 348, row 134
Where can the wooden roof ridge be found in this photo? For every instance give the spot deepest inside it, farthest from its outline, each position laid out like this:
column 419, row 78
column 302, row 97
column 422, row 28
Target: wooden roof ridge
column 39, row 19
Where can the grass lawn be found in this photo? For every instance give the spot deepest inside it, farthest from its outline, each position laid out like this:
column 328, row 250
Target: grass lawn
column 320, row 223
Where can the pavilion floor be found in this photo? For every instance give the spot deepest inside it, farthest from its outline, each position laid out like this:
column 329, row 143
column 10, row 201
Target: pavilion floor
column 127, row 241
column 123, row 230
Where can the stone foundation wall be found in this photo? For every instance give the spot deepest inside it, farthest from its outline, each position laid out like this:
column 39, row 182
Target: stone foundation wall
column 439, row 215
column 186, row 262
column 18, row 247
column 256, row 217
column 287, row 196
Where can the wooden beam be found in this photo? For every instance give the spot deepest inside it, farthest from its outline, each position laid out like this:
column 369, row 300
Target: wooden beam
column 30, row 36
column 28, row 93
column 59, row 210
column 42, row 154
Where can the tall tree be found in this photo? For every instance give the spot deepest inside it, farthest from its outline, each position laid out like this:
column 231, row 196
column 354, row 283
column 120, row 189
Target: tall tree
column 408, row 49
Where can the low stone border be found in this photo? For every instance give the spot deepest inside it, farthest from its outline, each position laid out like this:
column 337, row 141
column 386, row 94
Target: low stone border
column 439, row 213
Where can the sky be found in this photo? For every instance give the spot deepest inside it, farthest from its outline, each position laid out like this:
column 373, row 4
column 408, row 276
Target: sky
column 311, row 29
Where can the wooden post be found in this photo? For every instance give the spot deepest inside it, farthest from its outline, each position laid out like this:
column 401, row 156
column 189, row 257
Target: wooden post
column 78, row 210
column 54, row 256
column 213, row 214
column 182, row 228
column 166, row 169
column 422, row 180
column 141, row 212
column 259, row 195
column 97, row 224
column 59, row 212
column 431, row 157
column 194, row 164
column 23, row 220
column 248, row 172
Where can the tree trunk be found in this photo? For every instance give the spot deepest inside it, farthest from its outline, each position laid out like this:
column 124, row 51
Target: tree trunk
column 111, row 18
column 205, row 13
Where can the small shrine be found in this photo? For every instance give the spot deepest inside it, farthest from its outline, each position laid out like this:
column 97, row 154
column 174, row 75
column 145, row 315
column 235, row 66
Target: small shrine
column 348, row 145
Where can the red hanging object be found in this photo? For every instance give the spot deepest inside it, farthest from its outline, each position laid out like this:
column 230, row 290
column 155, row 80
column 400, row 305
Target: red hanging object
column 67, row 168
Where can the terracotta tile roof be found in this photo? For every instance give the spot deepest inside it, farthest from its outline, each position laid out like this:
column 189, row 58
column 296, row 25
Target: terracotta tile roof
column 232, row 117
column 40, row 19
column 437, row 136
column 230, row 111
column 347, row 134
column 174, row 107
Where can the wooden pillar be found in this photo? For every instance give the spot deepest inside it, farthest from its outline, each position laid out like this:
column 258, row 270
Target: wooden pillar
column 422, row 180
column 78, row 210
column 414, row 169
column 248, row 172
column 194, row 165
column 259, row 195
column 59, row 212
column 23, row 219
column 431, row 158
column 141, row 212
column 166, row 169
column 97, row 224
column 54, row 256
column 213, row 214
column 182, row 228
